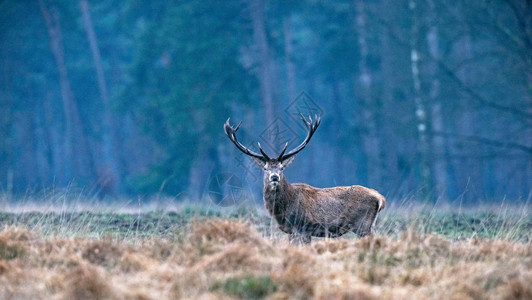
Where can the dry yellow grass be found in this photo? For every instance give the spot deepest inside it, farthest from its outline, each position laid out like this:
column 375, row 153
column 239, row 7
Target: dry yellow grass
column 224, row 259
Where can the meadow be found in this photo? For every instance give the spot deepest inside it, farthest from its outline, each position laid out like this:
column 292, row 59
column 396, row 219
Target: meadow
column 165, row 250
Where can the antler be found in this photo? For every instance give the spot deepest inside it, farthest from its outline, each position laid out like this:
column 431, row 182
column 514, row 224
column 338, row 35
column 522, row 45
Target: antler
column 230, row 131
column 311, row 127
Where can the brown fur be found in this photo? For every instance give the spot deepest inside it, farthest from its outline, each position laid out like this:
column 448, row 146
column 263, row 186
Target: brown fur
column 303, row 211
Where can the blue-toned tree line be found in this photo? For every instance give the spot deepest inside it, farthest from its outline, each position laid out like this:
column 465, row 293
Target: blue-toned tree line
column 421, row 98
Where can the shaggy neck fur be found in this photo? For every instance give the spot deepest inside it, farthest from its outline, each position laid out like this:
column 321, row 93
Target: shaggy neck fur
column 278, row 199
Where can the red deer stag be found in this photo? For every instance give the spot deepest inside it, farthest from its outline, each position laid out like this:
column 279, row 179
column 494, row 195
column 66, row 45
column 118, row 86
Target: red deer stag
column 302, row 210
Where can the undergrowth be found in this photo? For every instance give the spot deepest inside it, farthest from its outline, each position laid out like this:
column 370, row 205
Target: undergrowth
column 210, row 253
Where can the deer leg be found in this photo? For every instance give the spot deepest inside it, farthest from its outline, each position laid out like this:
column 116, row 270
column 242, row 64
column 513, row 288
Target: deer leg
column 299, row 239
column 364, row 226
column 363, row 233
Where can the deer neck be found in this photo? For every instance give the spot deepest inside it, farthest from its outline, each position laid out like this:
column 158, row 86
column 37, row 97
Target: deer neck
column 279, row 198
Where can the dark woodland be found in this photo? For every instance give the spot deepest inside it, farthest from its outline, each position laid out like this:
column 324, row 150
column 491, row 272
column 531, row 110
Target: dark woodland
column 421, row 99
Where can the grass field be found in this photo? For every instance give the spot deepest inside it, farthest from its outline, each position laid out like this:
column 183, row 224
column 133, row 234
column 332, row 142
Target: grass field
column 204, row 252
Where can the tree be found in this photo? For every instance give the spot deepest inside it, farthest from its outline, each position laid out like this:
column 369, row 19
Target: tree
column 421, row 111
column 439, row 148
column 76, row 161
column 434, row 98
column 262, row 59
column 108, row 170
column 189, row 82
column 370, row 105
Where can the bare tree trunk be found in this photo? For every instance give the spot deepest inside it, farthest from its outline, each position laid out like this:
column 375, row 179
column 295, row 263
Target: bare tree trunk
column 339, row 165
column 258, row 15
column 390, row 152
column 421, row 113
column 288, row 52
column 25, row 174
column 527, row 21
column 108, row 172
column 42, row 147
column 53, row 140
column 467, row 119
column 528, row 131
column 54, row 35
column 76, row 163
column 199, row 171
column 370, row 106
column 438, row 142
column 6, row 114
column 201, row 163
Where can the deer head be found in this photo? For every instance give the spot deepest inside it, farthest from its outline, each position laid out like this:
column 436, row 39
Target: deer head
column 273, row 167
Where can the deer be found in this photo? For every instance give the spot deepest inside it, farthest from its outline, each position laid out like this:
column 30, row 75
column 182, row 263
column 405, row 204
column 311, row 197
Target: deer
column 304, row 211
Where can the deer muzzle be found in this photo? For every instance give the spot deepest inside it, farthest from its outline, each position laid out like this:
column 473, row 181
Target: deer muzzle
column 274, row 180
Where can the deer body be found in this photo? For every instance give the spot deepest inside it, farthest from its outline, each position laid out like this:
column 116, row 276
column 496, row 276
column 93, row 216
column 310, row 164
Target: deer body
column 304, row 211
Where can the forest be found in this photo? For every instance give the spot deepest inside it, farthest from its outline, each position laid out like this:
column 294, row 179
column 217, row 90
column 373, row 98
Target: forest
column 421, row 99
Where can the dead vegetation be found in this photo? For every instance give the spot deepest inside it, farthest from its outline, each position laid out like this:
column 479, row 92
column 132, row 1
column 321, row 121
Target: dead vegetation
column 220, row 258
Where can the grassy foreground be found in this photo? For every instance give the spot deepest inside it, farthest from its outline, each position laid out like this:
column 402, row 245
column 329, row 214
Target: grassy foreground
column 201, row 253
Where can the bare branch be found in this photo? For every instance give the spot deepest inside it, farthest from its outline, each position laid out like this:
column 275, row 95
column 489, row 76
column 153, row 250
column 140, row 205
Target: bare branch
column 485, row 141
column 452, row 75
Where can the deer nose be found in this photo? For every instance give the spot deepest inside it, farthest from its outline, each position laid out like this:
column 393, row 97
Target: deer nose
column 274, row 177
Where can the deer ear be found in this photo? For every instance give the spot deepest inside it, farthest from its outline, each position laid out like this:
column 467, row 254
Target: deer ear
column 258, row 162
column 288, row 161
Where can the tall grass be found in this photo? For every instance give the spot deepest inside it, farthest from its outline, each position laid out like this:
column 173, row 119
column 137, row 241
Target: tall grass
column 163, row 249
